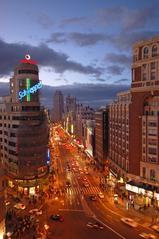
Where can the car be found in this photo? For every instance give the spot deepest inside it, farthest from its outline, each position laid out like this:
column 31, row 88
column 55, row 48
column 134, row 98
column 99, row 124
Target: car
column 101, row 195
column 156, row 228
column 96, row 225
column 129, row 221
column 147, row 235
column 7, row 203
column 86, row 184
column 33, row 210
column 20, row 206
column 38, row 213
column 93, row 197
column 90, row 224
column 68, row 184
column 57, row 217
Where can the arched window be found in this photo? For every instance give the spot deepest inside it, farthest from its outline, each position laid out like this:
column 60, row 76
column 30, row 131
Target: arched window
column 152, row 174
column 145, row 52
column 154, row 51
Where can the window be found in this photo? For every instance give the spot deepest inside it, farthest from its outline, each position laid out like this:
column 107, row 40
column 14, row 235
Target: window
column 152, row 141
column 153, row 75
column 152, row 123
column 152, row 174
column 144, row 172
column 154, row 51
column 153, row 65
column 28, row 72
column 146, row 51
column 144, row 76
column 152, row 151
column 144, row 66
column 152, row 159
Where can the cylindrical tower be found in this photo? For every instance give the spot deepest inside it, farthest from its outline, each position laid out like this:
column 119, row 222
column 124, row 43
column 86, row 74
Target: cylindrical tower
column 25, row 129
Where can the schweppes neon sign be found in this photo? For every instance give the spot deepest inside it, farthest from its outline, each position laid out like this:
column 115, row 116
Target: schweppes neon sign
column 30, row 90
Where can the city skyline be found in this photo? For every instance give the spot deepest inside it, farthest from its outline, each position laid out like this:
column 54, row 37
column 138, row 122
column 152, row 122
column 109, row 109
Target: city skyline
column 76, row 43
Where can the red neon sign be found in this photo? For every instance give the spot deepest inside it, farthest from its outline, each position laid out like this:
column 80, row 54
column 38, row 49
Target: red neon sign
column 28, row 60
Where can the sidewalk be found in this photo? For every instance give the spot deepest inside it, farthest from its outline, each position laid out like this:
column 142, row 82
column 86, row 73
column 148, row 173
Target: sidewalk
column 147, row 217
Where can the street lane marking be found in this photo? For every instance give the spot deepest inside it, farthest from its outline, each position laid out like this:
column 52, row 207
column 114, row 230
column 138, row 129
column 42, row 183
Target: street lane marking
column 72, row 210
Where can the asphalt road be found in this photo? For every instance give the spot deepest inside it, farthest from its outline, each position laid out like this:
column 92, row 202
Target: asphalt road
column 74, row 203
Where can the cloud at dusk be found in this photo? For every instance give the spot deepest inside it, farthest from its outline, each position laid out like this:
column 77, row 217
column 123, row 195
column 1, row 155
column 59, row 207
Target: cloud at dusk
column 11, row 53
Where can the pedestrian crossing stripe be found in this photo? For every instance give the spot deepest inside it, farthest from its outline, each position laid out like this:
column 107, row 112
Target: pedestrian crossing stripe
column 84, row 191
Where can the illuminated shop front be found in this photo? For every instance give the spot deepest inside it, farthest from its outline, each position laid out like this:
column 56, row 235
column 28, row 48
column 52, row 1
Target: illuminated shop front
column 149, row 194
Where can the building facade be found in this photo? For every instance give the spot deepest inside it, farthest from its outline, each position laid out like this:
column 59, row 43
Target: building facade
column 101, row 136
column 24, row 130
column 58, row 109
column 134, row 123
column 2, row 197
column 83, row 114
column 70, row 114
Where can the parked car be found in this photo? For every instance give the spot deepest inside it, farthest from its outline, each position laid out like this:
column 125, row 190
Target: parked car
column 57, row 217
column 20, row 206
column 129, row 221
column 147, row 235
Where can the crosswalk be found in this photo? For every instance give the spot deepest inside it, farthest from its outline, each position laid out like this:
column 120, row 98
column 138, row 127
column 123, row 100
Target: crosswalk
column 83, row 191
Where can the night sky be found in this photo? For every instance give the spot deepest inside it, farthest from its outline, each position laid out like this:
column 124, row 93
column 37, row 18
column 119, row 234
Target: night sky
column 75, row 42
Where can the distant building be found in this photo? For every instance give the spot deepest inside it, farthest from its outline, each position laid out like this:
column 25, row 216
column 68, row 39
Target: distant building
column 70, row 114
column 101, row 136
column 134, row 125
column 70, row 104
column 83, row 113
column 58, row 109
column 24, row 130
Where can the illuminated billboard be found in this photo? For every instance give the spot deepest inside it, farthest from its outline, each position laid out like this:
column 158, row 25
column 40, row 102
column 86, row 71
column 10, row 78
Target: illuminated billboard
column 29, row 90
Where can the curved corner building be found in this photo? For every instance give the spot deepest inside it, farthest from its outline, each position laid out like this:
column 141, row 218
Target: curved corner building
column 24, row 130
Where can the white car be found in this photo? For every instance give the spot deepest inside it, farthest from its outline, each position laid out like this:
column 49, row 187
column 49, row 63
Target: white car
column 156, row 228
column 33, row 210
column 129, row 221
column 86, row 185
column 20, row 206
column 36, row 211
column 39, row 213
column 7, row 203
column 147, row 235
column 101, row 195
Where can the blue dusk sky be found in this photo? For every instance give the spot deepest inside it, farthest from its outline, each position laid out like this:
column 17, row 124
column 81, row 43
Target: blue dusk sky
column 75, row 42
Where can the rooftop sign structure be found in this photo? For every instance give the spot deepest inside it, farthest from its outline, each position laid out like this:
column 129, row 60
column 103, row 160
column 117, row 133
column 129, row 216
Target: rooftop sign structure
column 28, row 60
